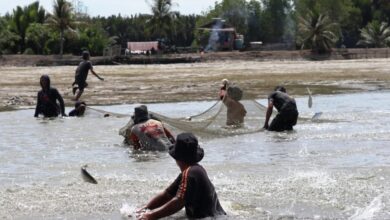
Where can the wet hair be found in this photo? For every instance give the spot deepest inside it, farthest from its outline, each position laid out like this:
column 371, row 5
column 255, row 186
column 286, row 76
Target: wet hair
column 280, row 89
column 78, row 104
column 46, row 78
column 85, row 55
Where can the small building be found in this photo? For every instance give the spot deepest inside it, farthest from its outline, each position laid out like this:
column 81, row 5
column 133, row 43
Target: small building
column 142, row 47
column 217, row 36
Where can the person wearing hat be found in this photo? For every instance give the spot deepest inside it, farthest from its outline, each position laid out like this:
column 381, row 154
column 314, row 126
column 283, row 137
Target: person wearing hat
column 47, row 100
column 79, row 109
column 148, row 133
column 287, row 110
column 192, row 189
column 81, row 75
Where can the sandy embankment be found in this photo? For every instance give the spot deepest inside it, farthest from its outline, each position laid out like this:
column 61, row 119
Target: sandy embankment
column 197, row 81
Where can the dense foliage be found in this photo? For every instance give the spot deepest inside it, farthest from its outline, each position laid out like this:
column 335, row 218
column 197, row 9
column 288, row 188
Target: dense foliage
column 319, row 25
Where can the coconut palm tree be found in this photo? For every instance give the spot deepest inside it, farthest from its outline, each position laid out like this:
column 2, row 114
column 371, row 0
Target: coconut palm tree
column 316, row 31
column 162, row 18
column 22, row 18
column 62, row 19
column 375, row 34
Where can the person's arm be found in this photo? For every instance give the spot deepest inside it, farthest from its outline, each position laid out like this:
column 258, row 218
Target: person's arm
column 62, row 104
column 158, row 201
column 269, row 113
column 37, row 107
column 134, row 141
column 169, row 135
column 94, row 73
column 172, row 206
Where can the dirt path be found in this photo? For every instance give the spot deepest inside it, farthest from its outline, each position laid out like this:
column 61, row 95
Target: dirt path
column 198, row 81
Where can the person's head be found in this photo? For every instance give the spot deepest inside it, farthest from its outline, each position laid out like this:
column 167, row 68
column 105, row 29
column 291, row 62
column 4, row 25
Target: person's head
column 86, row 55
column 235, row 93
column 186, row 150
column 140, row 114
column 80, row 107
column 45, row 82
column 280, row 89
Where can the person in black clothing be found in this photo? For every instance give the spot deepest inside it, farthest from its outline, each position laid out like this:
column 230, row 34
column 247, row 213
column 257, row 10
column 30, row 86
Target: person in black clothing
column 47, row 100
column 79, row 109
column 287, row 111
column 82, row 74
column 192, row 189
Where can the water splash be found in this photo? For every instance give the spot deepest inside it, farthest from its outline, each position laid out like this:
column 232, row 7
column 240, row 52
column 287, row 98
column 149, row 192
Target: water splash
column 127, row 211
column 368, row 212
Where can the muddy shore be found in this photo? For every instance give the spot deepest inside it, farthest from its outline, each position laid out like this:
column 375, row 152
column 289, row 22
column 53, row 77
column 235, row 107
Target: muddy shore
column 195, row 81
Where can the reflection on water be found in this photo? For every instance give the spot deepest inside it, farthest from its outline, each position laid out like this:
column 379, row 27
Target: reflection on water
column 336, row 169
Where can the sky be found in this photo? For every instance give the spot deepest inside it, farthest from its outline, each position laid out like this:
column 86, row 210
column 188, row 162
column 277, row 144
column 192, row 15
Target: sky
column 114, row 7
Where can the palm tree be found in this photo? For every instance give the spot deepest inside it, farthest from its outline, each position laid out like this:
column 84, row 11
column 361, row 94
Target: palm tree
column 62, row 19
column 162, row 19
column 316, row 31
column 22, row 18
column 375, row 34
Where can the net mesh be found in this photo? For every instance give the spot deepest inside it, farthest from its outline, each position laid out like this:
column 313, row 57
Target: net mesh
column 212, row 122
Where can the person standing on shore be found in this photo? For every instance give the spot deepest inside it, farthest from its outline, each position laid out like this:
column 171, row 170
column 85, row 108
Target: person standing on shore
column 47, row 100
column 82, row 74
column 287, row 111
column 192, row 189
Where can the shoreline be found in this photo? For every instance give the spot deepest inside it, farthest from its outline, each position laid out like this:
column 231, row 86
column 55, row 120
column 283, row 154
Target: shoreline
column 128, row 84
column 18, row 60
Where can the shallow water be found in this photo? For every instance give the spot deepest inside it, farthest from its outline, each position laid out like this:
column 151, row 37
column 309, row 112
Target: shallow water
column 322, row 170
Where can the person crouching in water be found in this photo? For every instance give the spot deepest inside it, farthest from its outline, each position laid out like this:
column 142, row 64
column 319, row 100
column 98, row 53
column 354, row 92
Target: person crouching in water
column 47, row 100
column 79, row 109
column 148, row 133
column 192, row 189
column 287, row 111
column 82, row 74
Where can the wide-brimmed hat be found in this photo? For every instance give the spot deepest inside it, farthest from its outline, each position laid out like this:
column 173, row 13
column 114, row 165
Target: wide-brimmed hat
column 186, row 149
column 140, row 114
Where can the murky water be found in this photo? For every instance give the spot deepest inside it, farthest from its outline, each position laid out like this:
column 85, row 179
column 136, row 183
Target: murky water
column 328, row 170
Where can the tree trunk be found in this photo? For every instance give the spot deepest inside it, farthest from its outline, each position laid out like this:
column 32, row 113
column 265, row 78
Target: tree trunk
column 61, row 42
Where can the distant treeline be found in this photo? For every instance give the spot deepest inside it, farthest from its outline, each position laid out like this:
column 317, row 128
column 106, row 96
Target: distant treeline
column 311, row 24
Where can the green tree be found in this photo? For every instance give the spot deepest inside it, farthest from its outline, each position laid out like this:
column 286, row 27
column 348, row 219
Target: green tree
column 161, row 23
column 37, row 35
column 62, row 19
column 254, row 21
column 8, row 39
column 274, row 19
column 375, row 34
column 316, row 32
column 22, row 18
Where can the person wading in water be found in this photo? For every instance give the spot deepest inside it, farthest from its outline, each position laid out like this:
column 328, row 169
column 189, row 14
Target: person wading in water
column 47, row 100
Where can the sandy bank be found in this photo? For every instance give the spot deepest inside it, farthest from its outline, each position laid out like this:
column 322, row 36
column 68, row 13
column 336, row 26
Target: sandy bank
column 196, row 81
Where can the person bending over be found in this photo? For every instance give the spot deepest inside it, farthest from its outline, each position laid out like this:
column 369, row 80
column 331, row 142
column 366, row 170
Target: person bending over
column 148, row 133
column 192, row 189
column 82, row 74
column 287, row 111
column 47, row 100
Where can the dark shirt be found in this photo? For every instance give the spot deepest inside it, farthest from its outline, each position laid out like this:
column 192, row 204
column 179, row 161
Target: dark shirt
column 47, row 103
column 282, row 101
column 82, row 70
column 198, row 193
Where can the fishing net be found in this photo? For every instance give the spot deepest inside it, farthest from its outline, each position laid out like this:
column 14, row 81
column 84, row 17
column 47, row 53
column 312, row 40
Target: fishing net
column 212, row 122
